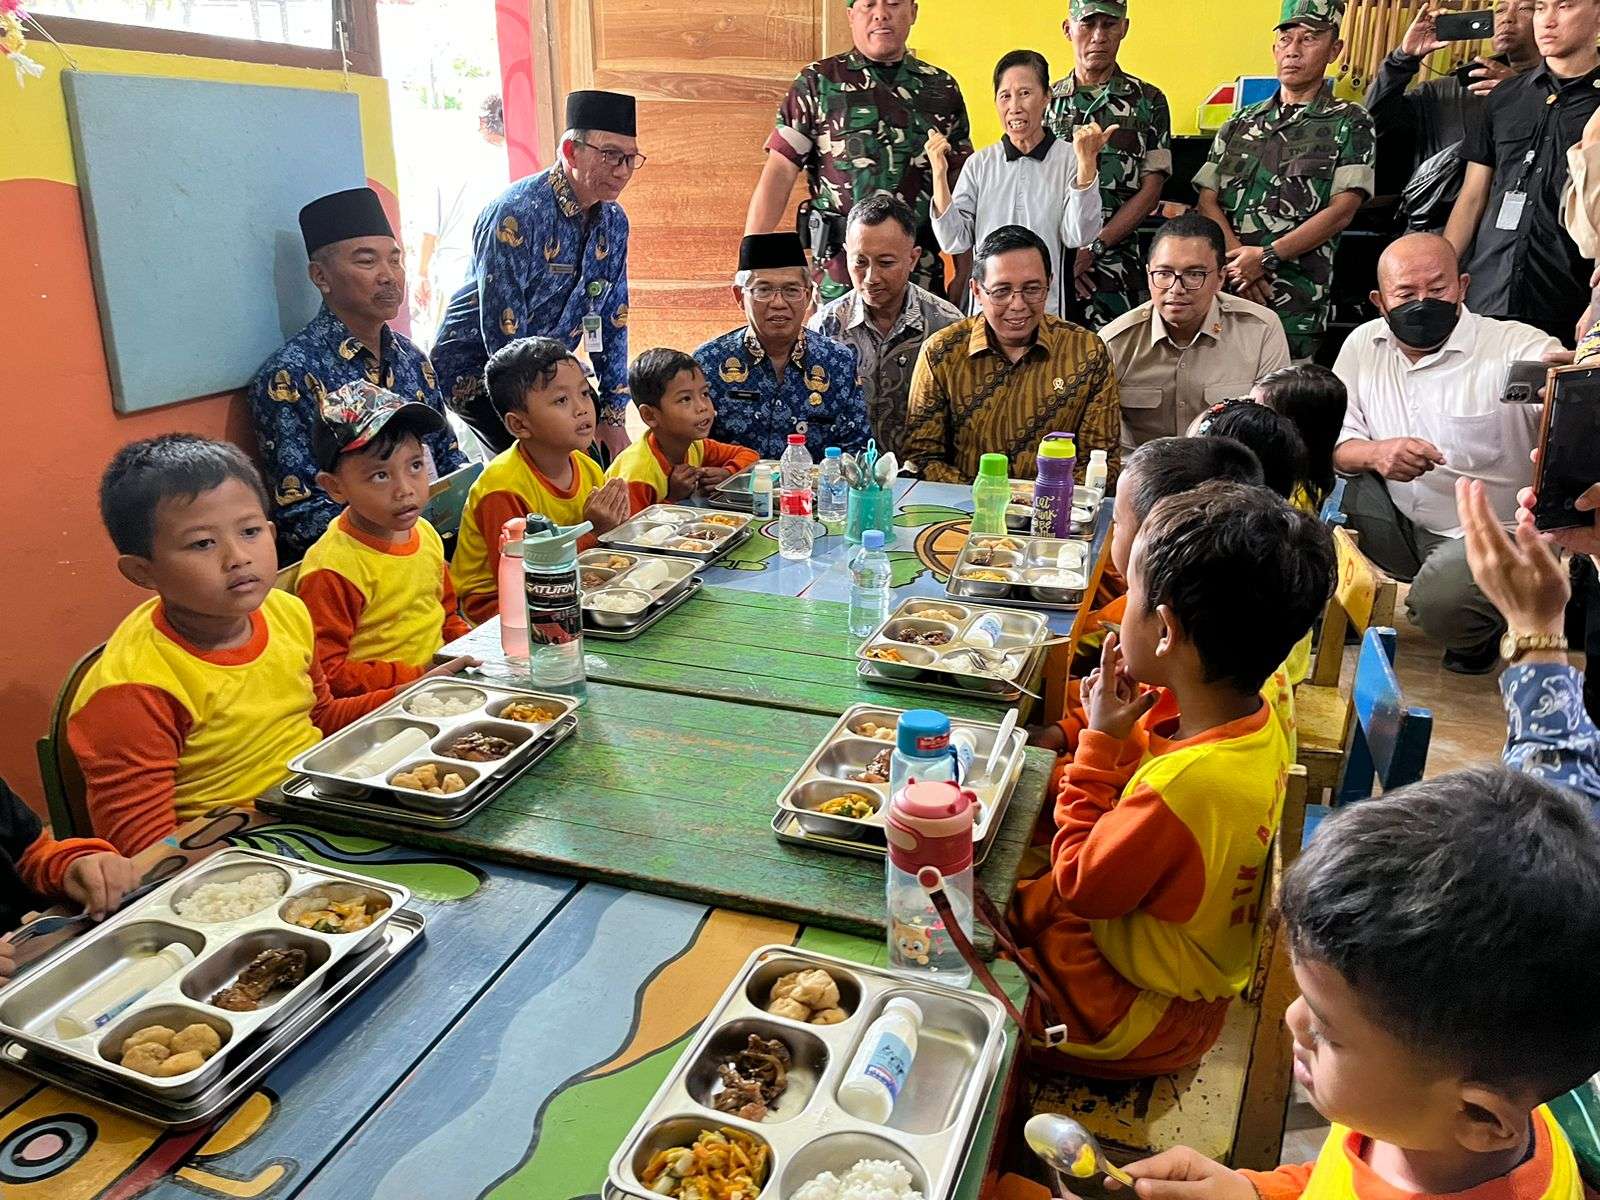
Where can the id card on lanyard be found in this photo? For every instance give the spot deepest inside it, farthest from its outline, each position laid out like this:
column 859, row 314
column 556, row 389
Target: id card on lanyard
column 1514, row 204
column 593, row 327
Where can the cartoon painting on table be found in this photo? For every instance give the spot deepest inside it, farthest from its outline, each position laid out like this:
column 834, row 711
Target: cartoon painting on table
column 944, row 531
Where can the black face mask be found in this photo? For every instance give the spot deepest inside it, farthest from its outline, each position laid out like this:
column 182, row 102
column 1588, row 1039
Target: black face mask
column 1424, row 324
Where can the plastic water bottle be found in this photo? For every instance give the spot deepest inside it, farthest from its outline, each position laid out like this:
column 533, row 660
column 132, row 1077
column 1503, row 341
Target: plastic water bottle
column 1094, row 475
column 761, row 491
column 991, row 492
column 831, row 499
column 513, row 605
column 555, row 613
column 925, row 752
column 795, row 530
column 1052, row 494
column 930, row 838
column 869, row 585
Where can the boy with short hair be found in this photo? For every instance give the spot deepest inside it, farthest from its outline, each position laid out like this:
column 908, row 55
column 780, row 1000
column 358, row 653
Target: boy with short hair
column 1164, row 467
column 207, row 690
column 1443, row 938
column 539, row 389
column 676, row 458
column 1144, row 929
column 375, row 582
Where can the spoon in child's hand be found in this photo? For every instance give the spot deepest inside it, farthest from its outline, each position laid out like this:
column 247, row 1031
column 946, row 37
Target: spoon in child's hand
column 1069, row 1149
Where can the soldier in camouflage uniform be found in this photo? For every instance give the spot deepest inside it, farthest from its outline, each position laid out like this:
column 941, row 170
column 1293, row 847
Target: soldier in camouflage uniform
column 1286, row 176
column 1133, row 167
column 858, row 123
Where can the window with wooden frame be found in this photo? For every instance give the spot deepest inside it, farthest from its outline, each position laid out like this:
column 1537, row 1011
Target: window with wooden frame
column 325, row 34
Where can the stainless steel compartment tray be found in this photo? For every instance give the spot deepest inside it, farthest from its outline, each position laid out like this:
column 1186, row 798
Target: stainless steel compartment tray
column 299, row 796
column 815, row 781
column 1035, row 552
column 30, row 1005
column 958, row 1056
column 627, row 535
column 330, row 762
column 653, row 615
column 251, row 1062
column 1023, row 636
column 786, row 827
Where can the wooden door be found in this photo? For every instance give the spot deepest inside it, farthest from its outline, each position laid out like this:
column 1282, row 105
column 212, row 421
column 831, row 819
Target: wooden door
column 708, row 75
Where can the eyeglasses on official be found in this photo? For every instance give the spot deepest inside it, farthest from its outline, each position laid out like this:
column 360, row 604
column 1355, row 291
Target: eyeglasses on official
column 1164, row 278
column 615, row 158
column 1032, row 293
column 762, row 293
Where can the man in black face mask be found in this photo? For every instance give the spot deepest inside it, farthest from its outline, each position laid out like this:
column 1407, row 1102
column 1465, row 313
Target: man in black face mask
column 1425, row 382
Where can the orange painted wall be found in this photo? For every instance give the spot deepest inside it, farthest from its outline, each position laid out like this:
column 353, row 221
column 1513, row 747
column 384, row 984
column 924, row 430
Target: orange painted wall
column 61, row 591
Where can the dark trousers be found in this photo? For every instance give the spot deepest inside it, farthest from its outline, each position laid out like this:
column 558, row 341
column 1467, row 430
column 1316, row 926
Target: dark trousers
column 1444, row 602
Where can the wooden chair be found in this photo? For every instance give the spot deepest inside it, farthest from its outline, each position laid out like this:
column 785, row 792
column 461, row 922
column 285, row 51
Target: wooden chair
column 64, row 790
column 287, row 578
column 1363, row 597
column 1388, row 744
column 1231, row 1106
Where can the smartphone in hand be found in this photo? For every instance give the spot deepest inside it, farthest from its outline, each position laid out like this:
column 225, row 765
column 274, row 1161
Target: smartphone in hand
column 1569, row 447
column 1464, row 26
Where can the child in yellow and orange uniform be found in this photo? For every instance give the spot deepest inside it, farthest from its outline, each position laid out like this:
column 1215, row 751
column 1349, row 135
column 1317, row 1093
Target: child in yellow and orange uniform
column 1158, row 469
column 1443, row 942
column 1144, row 928
column 380, row 595
column 676, row 458
column 539, row 389
column 205, row 692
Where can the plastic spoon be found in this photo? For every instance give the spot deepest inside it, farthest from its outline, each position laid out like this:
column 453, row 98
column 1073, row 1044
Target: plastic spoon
column 1001, row 741
column 1069, row 1149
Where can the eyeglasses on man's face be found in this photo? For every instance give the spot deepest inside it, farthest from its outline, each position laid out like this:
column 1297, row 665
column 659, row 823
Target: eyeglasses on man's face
column 615, row 158
column 789, row 293
column 1031, row 293
column 1193, row 280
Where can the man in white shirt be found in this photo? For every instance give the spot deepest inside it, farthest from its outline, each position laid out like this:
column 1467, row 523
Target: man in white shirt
column 1425, row 383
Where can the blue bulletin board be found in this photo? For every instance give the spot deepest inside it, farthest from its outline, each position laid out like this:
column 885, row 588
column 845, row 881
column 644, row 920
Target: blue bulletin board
column 190, row 195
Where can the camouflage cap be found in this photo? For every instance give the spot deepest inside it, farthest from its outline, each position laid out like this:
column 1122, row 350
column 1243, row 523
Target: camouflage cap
column 1313, row 14
column 354, row 414
column 1077, row 10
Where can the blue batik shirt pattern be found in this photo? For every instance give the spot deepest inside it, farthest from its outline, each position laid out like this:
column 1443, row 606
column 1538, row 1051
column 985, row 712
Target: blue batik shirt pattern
column 819, row 395
column 1549, row 733
column 540, row 264
column 286, row 396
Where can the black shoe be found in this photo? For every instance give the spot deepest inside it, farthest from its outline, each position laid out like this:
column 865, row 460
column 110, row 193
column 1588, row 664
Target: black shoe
column 1473, row 662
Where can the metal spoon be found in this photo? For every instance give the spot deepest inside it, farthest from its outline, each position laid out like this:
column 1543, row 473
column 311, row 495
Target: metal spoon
column 1069, row 1149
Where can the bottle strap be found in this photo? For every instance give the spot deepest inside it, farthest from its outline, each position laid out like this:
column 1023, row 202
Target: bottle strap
column 1055, row 1032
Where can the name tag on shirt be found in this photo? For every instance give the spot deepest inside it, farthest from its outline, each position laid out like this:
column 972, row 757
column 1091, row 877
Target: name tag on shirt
column 1511, row 209
column 563, row 268
column 593, row 336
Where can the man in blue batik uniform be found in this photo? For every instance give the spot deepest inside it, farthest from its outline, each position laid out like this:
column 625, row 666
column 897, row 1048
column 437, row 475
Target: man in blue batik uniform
column 550, row 259
column 772, row 377
column 360, row 270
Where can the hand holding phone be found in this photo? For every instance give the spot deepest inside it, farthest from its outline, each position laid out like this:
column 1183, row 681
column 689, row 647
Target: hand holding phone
column 1569, row 449
column 1464, row 26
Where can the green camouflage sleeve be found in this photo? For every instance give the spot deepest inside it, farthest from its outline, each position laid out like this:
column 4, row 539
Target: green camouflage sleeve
column 799, row 121
column 960, row 133
column 1210, row 175
column 1355, row 170
column 1158, row 148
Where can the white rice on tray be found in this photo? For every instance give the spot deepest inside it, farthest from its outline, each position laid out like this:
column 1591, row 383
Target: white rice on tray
column 233, row 900
column 869, row 1179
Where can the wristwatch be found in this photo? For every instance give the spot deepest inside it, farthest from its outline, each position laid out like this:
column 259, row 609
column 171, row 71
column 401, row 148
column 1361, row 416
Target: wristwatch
column 1097, row 248
column 1514, row 645
column 1270, row 262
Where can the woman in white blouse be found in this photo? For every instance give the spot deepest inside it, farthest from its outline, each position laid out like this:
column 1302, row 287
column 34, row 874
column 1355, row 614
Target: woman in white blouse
column 1029, row 177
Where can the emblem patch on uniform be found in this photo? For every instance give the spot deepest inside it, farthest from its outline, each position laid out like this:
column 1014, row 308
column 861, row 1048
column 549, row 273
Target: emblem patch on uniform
column 619, row 319
column 291, row 490
column 552, row 248
column 817, row 381
column 465, row 388
column 349, row 348
column 428, row 375
column 314, row 387
column 602, row 248
column 509, row 233
column 508, row 322
column 733, row 371
column 281, row 388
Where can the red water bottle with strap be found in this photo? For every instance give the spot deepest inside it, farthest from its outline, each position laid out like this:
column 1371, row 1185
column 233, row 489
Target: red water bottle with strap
column 929, row 828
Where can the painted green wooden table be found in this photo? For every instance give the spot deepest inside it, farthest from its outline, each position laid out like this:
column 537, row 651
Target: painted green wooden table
column 787, row 652
column 675, row 795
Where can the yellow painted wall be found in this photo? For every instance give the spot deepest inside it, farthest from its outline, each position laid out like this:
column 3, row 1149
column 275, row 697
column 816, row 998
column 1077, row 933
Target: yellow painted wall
column 1184, row 47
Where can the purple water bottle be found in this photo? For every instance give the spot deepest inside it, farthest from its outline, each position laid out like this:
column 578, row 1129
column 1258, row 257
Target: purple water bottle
column 1052, row 494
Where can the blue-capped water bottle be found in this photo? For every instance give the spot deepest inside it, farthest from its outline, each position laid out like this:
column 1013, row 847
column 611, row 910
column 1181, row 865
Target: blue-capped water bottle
column 869, row 584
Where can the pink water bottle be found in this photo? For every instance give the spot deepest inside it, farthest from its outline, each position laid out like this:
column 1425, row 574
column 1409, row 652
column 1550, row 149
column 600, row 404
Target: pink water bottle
column 508, row 583
column 930, row 839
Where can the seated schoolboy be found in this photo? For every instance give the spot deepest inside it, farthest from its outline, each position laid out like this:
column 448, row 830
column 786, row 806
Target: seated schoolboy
column 676, row 458
column 1164, row 467
column 37, row 870
column 538, row 387
column 206, row 691
column 380, row 595
column 1443, row 939
column 1144, row 928
column 1315, row 399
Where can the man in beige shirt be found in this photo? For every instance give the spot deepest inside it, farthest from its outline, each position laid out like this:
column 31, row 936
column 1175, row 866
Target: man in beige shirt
column 1190, row 344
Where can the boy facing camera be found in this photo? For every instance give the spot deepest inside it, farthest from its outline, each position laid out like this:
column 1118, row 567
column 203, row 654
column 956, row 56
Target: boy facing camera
column 676, row 458
column 1144, row 929
column 1443, row 939
column 375, row 581
column 539, row 389
column 206, row 690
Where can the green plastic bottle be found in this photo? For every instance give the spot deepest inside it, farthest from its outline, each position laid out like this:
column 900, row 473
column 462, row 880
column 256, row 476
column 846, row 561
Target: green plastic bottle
column 991, row 492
